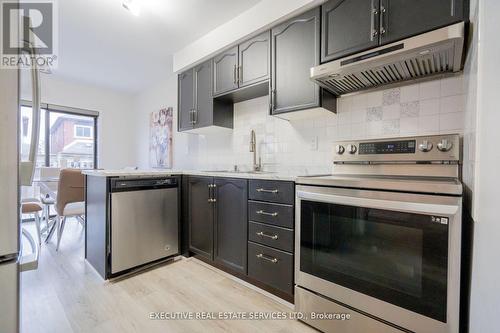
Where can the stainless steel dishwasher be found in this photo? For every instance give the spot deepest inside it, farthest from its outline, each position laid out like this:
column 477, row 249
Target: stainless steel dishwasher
column 144, row 221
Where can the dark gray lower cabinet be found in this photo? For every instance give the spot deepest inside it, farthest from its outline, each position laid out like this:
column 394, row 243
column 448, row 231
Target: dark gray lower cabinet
column 219, row 226
column 200, row 217
column 271, row 235
column 271, row 266
column 231, row 223
column 217, row 216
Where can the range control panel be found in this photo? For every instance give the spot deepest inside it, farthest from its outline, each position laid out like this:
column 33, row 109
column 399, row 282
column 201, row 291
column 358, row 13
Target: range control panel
column 388, row 147
column 422, row 148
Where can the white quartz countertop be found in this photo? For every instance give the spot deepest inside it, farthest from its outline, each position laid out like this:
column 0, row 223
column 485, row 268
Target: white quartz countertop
column 156, row 172
column 130, row 173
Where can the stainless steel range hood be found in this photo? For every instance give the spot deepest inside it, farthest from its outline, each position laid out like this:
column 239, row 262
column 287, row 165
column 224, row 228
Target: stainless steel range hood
column 436, row 52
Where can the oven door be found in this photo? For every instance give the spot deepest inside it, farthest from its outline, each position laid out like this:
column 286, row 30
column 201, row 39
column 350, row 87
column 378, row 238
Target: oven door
column 395, row 256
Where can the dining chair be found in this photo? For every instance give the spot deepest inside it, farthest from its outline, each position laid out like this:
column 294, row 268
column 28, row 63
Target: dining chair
column 33, row 208
column 69, row 201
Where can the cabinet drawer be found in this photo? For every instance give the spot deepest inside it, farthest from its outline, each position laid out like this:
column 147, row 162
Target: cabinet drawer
column 264, row 212
column 272, row 191
column 279, row 238
column 270, row 266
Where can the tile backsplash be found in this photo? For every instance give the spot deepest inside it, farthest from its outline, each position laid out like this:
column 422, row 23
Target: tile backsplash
column 305, row 146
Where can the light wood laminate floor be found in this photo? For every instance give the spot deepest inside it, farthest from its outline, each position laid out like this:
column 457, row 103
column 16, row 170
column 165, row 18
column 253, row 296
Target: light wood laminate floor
column 66, row 295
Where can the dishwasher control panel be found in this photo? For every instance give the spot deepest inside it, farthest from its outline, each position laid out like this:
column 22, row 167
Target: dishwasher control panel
column 120, row 184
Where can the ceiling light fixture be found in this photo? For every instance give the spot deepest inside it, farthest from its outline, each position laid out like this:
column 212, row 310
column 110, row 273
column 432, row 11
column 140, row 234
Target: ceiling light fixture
column 133, row 6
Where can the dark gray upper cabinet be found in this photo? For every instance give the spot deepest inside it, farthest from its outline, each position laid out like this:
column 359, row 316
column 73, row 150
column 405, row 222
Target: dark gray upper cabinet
column 243, row 65
column 226, row 71
column 254, row 60
column 204, row 108
column 295, row 49
column 186, row 100
column 231, row 223
column 197, row 108
column 348, row 26
column 404, row 18
column 200, row 216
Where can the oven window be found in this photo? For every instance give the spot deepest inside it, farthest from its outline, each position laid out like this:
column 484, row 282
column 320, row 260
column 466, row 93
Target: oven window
column 399, row 258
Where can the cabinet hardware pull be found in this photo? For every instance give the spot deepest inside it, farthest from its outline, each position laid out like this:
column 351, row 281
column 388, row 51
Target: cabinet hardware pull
column 267, row 191
column 260, row 233
column 383, row 13
column 211, row 193
column 273, row 99
column 374, row 20
column 240, row 75
column 191, row 117
column 235, row 74
column 195, row 118
column 270, row 259
column 261, row 212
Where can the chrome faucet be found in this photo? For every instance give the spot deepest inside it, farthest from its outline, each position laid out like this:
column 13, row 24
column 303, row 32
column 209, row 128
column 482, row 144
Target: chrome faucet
column 253, row 149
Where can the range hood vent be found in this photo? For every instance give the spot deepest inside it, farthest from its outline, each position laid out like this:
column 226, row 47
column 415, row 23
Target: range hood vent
column 436, row 52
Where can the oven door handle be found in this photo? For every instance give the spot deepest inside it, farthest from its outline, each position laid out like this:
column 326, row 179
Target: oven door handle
column 401, row 206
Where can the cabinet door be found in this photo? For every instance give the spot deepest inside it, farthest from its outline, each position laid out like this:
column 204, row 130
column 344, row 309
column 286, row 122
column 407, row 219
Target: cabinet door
column 404, row 18
column 231, row 223
column 203, row 95
column 226, row 71
column 348, row 26
column 200, row 216
column 254, row 60
column 185, row 105
column 295, row 49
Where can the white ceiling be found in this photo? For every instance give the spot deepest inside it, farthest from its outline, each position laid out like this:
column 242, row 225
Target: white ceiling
column 103, row 44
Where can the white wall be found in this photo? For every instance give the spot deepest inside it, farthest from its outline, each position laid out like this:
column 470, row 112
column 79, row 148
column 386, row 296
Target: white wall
column 470, row 128
column 116, row 115
column 159, row 96
column 258, row 18
column 485, row 293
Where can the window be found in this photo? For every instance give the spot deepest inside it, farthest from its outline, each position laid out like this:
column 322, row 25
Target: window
column 83, row 132
column 67, row 137
column 71, row 141
column 67, row 140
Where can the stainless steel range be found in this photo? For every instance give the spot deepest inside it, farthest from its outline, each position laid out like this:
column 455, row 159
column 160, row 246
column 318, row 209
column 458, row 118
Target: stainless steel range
column 380, row 238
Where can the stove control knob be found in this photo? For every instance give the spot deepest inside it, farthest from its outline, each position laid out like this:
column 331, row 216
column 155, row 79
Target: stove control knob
column 444, row 145
column 339, row 149
column 351, row 149
column 425, row 146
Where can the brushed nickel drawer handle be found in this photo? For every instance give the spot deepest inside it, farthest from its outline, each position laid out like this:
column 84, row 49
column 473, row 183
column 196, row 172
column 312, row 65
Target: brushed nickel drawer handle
column 260, row 233
column 264, row 257
column 267, row 191
column 261, row 212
